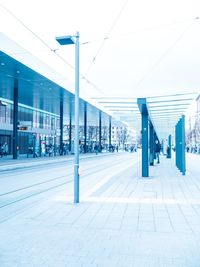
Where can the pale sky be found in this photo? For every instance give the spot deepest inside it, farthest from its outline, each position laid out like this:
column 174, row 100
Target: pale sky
column 152, row 46
column 143, row 52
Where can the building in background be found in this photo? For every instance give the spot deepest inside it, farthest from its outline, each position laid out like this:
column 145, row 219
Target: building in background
column 193, row 132
column 124, row 137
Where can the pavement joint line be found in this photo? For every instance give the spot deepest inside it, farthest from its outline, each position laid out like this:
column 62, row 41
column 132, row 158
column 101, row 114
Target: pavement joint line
column 133, row 200
column 106, row 231
column 85, row 197
column 106, row 179
column 27, row 163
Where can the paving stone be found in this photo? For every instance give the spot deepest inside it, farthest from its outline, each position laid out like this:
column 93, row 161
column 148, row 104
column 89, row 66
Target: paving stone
column 129, row 222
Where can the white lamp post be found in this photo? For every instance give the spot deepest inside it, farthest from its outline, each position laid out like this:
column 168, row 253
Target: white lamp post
column 67, row 40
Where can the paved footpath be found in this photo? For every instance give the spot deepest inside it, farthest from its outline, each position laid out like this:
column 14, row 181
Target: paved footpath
column 122, row 221
column 7, row 163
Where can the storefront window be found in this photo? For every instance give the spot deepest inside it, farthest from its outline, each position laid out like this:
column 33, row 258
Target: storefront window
column 3, row 107
column 41, row 120
column 52, row 123
column 35, row 118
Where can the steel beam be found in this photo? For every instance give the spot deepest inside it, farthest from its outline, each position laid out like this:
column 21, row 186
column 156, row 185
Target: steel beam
column 15, row 119
column 61, row 125
column 169, row 154
column 70, row 128
column 151, row 140
column 110, row 136
column 180, row 145
column 100, row 124
column 85, row 127
column 142, row 104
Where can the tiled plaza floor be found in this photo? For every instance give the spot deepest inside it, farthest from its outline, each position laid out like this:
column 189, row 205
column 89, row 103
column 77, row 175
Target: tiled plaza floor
column 122, row 221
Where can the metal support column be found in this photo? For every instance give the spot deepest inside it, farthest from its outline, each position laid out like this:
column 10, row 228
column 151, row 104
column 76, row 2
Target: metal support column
column 85, row 127
column 40, row 146
column 176, row 145
column 154, row 143
column 61, row 126
column 34, row 144
column 145, row 154
column 180, row 145
column 142, row 104
column 70, row 128
column 183, row 161
column 110, row 128
column 151, row 140
column 99, row 130
column 169, row 152
column 76, row 140
column 162, row 147
column 15, row 119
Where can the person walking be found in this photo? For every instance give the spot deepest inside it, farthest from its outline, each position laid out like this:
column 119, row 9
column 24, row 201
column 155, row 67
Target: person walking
column 5, row 149
column 96, row 148
column 1, row 150
column 157, row 151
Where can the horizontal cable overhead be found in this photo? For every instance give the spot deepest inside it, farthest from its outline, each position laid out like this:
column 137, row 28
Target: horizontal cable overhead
column 167, row 116
column 166, row 110
column 123, row 106
column 171, row 105
column 117, row 102
column 174, row 95
column 124, row 110
column 170, row 100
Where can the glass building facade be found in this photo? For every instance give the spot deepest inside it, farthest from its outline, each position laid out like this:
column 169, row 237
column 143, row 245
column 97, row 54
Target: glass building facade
column 36, row 128
column 37, row 113
column 39, row 131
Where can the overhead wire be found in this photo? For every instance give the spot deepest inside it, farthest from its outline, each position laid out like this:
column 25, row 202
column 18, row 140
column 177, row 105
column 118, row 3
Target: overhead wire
column 33, row 33
column 49, row 47
column 102, row 44
column 107, row 36
column 161, row 58
column 24, row 25
column 168, row 49
column 55, row 50
column 148, row 29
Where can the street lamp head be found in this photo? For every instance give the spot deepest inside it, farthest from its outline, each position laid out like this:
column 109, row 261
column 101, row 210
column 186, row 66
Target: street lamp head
column 65, row 40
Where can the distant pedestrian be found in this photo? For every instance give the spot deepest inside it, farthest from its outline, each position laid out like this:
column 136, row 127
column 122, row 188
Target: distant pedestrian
column 50, row 150
column 96, row 148
column 5, row 149
column 157, row 151
column 1, row 150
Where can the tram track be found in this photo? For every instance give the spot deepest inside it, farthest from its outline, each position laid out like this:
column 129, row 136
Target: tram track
column 44, row 164
column 34, row 194
column 94, row 169
column 54, row 161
